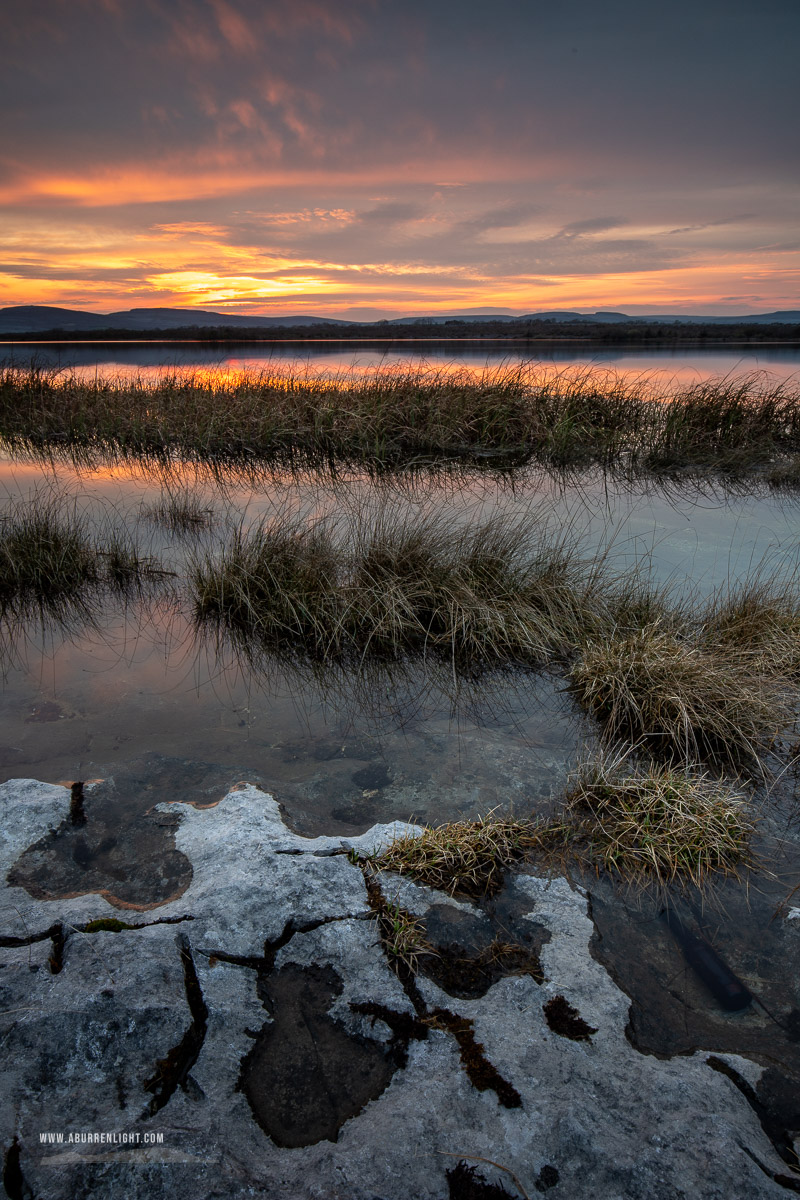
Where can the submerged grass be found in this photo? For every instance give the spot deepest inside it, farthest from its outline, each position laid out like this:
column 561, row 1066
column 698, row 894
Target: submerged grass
column 559, row 418
column 181, row 511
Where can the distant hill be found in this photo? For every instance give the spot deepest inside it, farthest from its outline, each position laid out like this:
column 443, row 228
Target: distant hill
column 788, row 317
column 32, row 319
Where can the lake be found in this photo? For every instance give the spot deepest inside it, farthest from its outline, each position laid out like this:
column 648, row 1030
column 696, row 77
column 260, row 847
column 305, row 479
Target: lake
column 666, row 364
column 133, row 692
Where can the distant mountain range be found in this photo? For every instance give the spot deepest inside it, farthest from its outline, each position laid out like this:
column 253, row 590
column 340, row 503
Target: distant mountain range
column 34, row 318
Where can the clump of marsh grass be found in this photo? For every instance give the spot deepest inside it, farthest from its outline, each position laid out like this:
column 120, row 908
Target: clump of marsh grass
column 465, row 858
column 685, row 700
column 482, row 594
column 53, row 559
column 658, row 823
column 125, row 570
column 581, row 414
column 274, row 584
column 758, row 619
column 733, row 423
column 46, row 555
column 491, row 594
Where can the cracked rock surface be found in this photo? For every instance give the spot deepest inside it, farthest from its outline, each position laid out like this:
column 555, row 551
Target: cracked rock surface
column 255, row 1022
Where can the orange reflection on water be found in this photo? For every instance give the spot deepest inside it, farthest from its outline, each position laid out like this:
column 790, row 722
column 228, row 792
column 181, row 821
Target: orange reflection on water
column 354, row 367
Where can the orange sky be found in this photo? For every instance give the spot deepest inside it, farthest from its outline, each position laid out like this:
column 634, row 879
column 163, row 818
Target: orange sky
column 261, row 157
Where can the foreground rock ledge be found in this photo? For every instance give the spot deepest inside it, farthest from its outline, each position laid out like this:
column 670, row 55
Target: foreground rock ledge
column 255, row 1023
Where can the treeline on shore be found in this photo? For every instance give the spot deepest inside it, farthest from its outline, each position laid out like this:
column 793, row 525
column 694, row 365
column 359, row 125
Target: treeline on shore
column 485, row 330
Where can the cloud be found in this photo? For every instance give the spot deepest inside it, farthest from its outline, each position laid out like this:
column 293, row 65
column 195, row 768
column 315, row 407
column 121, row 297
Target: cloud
column 422, row 146
column 591, row 225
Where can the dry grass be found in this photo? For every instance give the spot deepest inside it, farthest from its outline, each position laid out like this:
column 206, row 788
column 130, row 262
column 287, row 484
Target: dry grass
column 465, row 858
column 686, row 700
column 658, row 824
column 651, row 824
column 758, row 619
column 491, row 594
column 390, row 420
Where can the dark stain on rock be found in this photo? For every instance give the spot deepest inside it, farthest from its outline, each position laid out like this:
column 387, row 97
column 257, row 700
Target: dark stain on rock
column 56, row 959
column 14, row 1182
column 306, row 1074
column 372, row 777
column 405, row 1027
column 77, row 813
column 772, row 1114
column 464, row 1183
column 482, row 1074
column 566, row 1021
column 129, row 859
column 547, row 1178
column 172, row 1071
column 672, row 1010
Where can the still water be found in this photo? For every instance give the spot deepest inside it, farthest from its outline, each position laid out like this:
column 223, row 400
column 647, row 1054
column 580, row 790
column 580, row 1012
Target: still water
column 129, row 683
column 667, row 365
column 132, row 694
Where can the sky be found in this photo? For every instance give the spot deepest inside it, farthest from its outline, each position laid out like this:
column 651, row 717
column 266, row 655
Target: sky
column 379, row 158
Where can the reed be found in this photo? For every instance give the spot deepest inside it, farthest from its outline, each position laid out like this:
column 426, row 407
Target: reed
column 53, row 559
column 390, row 420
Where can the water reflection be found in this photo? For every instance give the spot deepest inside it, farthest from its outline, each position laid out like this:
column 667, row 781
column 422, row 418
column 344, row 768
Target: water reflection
column 683, row 364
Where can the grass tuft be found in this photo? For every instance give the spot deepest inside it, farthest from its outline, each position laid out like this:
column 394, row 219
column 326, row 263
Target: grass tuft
column 492, row 594
column 46, row 555
column 403, row 936
column 658, row 824
column 686, row 700
column 465, row 858
column 53, row 560
column 276, row 584
column 758, row 619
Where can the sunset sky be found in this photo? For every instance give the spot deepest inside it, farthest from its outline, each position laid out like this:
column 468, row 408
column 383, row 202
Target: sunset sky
column 376, row 158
